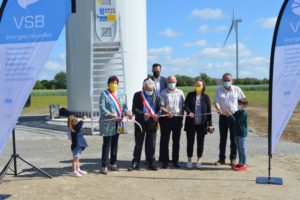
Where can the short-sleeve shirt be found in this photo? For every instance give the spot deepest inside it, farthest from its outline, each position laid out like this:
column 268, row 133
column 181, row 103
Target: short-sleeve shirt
column 228, row 99
column 173, row 101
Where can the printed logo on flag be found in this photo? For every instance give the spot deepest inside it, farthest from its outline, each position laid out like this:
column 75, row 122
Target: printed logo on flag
column 101, row 11
column 296, row 7
column 24, row 3
column 103, row 18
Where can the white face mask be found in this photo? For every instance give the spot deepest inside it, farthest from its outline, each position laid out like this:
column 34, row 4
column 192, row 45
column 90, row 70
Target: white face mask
column 240, row 107
column 171, row 86
column 149, row 93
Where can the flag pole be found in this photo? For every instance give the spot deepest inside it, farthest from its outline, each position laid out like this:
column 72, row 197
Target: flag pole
column 269, row 179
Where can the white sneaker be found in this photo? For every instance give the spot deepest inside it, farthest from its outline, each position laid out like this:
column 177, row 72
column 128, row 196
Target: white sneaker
column 76, row 174
column 189, row 165
column 198, row 165
column 81, row 172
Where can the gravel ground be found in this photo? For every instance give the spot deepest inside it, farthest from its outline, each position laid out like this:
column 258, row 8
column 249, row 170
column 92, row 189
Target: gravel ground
column 44, row 144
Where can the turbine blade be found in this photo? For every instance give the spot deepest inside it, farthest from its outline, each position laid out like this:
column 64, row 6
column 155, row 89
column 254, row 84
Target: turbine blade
column 233, row 13
column 228, row 33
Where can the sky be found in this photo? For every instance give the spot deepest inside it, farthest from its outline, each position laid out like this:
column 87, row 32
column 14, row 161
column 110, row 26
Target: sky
column 187, row 37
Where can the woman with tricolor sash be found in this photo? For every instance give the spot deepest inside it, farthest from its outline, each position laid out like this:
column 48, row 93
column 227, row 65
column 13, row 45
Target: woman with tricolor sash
column 112, row 110
column 146, row 107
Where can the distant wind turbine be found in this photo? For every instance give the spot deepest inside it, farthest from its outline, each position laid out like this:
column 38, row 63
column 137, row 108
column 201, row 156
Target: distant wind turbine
column 235, row 23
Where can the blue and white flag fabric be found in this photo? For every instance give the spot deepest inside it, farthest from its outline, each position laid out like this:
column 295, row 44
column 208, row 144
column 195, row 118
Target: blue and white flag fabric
column 28, row 31
column 285, row 69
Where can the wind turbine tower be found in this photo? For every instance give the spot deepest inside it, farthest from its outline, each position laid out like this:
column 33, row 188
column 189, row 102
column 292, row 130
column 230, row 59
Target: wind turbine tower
column 235, row 24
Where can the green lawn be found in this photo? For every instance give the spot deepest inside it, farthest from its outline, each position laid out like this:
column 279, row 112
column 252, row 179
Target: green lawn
column 40, row 104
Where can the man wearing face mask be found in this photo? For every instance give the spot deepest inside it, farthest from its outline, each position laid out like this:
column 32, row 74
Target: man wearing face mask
column 226, row 99
column 160, row 81
column 146, row 106
column 173, row 101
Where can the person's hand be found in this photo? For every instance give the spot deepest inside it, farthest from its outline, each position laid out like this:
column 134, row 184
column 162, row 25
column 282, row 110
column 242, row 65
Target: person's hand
column 228, row 113
column 114, row 116
column 169, row 114
column 155, row 117
column 129, row 115
column 191, row 115
column 210, row 129
column 146, row 116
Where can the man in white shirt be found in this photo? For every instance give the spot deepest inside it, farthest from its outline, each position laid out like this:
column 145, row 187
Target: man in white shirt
column 173, row 101
column 226, row 99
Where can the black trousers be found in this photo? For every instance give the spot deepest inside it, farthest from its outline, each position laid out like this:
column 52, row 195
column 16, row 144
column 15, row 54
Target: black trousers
column 167, row 126
column 150, row 143
column 224, row 124
column 109, row 143
column 200, row 131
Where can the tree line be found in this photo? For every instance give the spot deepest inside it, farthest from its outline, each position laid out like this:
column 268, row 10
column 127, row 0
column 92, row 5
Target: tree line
column 183, row 80
column 60, row 81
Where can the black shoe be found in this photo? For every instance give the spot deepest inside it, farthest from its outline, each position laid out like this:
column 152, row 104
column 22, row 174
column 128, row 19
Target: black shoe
column 135, row 166
column 165, row 165
column 152, row 167
column 220, row 162
column 176, row 165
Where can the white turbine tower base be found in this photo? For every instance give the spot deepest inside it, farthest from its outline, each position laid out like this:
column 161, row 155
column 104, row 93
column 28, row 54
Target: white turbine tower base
column 235, row 24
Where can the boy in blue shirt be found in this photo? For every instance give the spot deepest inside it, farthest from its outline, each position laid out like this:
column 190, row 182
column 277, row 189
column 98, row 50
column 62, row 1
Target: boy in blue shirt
column 239, row 119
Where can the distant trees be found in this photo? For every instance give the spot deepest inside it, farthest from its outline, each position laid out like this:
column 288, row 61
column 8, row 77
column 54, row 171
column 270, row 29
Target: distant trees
column 251, row 81
column 189, row 81
column 59, row 82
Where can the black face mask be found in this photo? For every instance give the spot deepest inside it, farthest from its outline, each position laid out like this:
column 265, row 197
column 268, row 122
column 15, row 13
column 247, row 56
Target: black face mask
column 156, row 74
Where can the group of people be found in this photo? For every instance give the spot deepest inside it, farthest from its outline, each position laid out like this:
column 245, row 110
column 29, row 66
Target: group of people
column 160, row 104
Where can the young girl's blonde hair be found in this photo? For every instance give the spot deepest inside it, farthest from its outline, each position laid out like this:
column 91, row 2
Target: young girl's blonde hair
column 72, row 121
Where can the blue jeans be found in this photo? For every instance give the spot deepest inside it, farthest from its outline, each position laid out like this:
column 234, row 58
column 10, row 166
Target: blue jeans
column 242, row 150
column 77, row 152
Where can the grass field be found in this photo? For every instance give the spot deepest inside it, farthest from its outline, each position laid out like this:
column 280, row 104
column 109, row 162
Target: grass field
column 256, row 94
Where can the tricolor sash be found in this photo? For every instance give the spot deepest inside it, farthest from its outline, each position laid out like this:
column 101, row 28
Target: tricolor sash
column 115, row 102
column 118, row 109
column 147, row 105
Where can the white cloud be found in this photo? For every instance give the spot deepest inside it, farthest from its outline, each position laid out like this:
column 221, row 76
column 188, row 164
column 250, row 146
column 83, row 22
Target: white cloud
column 169, row 33
column 181, row 62
column 214, row 61
column 207, row 13
column 266, row 23
column 52, row 65
column 198, row 43
column 155, row 53
column 225, row 52
column 62, row 57
column 206, row 29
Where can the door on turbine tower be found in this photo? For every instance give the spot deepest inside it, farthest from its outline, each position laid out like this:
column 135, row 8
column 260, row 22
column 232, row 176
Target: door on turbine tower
column 106, row 20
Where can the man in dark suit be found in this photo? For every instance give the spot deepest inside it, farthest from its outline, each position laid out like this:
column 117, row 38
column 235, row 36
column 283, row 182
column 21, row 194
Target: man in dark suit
column 160, row 81
column 146, row 106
